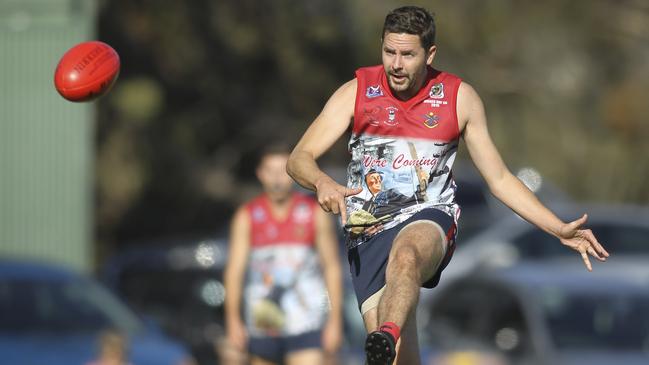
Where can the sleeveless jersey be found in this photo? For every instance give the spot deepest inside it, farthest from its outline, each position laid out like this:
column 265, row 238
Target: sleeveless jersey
column 284, row 292
column 402, row 152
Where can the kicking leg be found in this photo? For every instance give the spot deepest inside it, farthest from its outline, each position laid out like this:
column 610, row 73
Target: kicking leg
column 417, row 252
column 415, row 255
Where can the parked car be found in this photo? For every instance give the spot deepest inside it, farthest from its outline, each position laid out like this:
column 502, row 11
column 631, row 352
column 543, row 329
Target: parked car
column 179, row 283
column 622, row 229
column 541, row 313
column 52, row 315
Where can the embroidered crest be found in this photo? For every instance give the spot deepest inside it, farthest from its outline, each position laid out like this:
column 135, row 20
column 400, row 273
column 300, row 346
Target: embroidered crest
column 392, row 115
column 437, row 91
column 432, row 120
column 373, row 91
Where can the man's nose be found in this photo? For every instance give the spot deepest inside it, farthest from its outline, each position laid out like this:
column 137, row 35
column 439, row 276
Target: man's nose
column 396, row 63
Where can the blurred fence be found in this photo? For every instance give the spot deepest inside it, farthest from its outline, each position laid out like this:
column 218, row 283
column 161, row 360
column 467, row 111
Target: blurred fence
column 46, row 157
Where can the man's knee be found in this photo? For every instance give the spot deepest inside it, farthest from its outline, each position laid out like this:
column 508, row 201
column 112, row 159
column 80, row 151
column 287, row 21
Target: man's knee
column 404, row 263
column 404, row 257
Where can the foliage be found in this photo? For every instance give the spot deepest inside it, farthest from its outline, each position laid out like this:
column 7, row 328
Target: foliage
column 204, row 83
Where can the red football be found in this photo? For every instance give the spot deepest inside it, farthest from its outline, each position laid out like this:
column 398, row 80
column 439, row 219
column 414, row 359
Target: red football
column 86, row 71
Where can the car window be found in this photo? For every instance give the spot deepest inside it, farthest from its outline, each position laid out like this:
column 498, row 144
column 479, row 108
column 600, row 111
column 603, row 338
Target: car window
column 58, row 306
column 621, row 239
column 580, row 321
column 625, row 239
column 176, row 299
column 483, row 316
column 536, row 244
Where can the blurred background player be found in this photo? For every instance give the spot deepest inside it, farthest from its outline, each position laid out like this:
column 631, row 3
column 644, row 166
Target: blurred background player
column 283, row 262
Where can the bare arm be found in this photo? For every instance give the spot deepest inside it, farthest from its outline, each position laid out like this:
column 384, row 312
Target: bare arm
column 509, row 189
column 327, row 246
column 325, row 130
column 234, row 276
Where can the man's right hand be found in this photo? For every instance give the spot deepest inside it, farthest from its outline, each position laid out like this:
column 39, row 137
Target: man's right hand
column 331, row 196
column 237, row 335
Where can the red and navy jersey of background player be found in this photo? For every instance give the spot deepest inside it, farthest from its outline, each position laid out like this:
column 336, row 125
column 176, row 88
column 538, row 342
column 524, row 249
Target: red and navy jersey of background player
column 411, row 143
column 297, row 228
column 284, row 291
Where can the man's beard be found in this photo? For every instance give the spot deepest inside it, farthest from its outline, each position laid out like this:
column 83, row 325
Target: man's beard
column 405, row 84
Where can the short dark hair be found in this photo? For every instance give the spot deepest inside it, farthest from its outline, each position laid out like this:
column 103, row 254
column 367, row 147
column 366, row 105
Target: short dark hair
column 273, row 148
column 411, row 20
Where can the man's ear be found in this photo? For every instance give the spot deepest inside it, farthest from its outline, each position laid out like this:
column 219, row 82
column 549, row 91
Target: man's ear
column 258, row 173
column 430, row 55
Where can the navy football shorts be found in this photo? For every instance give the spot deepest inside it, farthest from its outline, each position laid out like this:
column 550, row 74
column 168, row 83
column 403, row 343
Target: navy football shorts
column 369, row 260
column 276, row 348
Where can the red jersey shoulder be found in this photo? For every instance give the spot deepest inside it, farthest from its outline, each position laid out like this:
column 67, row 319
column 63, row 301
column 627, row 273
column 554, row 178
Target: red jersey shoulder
column 369, row 82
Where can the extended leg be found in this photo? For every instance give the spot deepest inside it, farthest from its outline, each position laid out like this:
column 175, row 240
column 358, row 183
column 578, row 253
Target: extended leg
column 415, row 255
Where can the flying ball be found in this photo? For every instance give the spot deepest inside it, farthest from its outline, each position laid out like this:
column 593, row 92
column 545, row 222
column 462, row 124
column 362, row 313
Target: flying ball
column 86, row 71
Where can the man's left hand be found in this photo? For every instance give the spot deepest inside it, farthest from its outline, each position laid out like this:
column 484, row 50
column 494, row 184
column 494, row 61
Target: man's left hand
column 582, row 241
